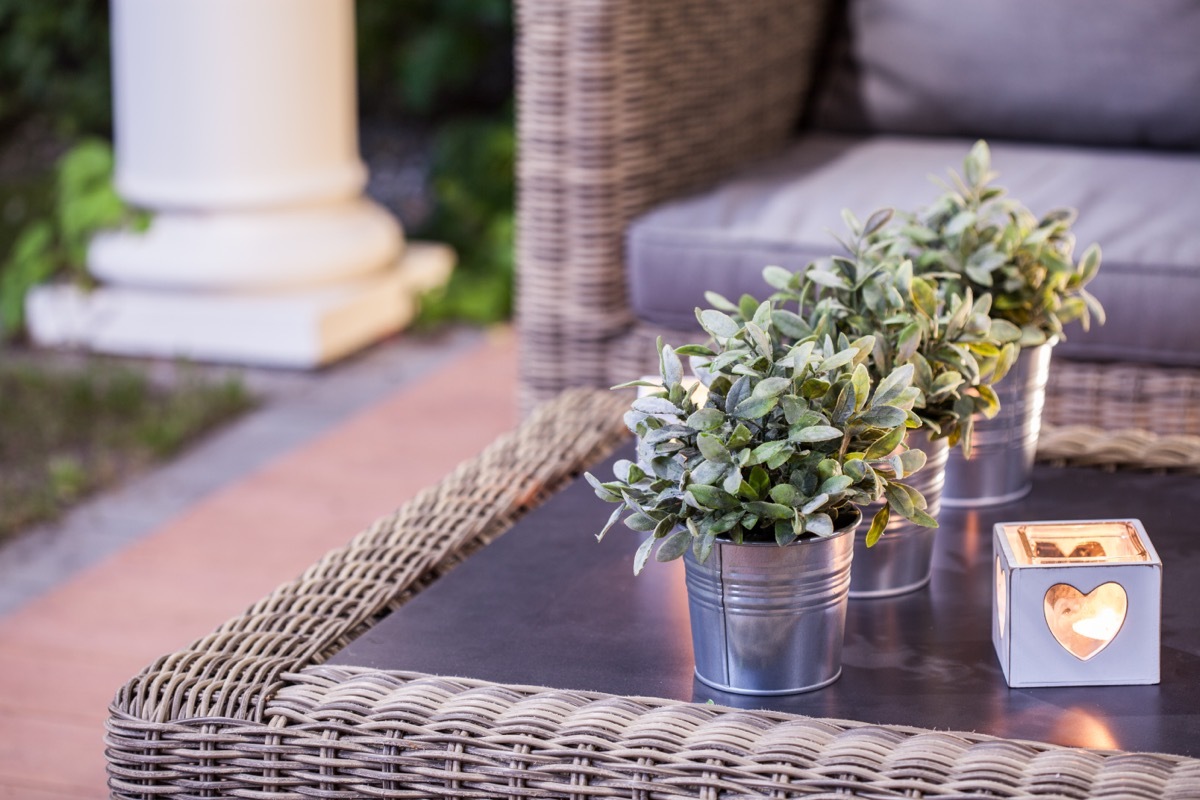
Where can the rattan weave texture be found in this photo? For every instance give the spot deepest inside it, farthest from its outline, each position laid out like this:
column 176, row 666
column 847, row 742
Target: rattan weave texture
column 250, row 711
column 623, row 104
column 620, row 106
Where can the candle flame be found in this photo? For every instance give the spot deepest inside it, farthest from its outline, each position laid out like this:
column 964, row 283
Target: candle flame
column 1101, row 626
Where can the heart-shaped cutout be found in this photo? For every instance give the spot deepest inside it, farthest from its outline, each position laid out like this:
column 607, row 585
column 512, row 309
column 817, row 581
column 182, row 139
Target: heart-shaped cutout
column 1084, row 624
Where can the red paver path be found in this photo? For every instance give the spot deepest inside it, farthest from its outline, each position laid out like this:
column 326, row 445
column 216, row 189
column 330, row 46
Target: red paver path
column 64, row 655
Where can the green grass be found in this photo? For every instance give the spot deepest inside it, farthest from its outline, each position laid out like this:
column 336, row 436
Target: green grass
column 66, row 433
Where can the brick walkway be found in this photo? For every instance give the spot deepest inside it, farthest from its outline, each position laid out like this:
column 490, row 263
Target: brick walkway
column 63, row 655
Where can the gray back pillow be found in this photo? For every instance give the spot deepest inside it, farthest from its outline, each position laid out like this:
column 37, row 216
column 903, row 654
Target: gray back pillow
column 1100, row 72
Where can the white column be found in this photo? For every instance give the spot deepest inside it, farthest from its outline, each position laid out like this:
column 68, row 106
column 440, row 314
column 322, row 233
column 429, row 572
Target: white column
column 236, row 126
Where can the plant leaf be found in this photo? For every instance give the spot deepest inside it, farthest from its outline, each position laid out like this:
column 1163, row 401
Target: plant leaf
column 883, row 416
column 785, row 534
column 656, row 405
column 674, row 545
column 718, row 324
column 642, row 555
column 778, row 277
column 790, row 324
column 612, row 520
column 720, row 301
column 912, row 460
column 890, row 387
column 815, row 433
column 815, row 503
column 768, row 450
column 712, row 497
column 819, row 524
column 899, row 500
column 763, row 508
column 713, row 449
column 706, row 419
column 878, row 523
column 670, row 366
column 883, row 447
column 755, row 407
column 771, row 387
column 837, row 360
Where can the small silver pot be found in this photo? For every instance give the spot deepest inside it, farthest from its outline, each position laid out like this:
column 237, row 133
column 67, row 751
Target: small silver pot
column 769, row 620
column 1000, row 468
column 902, row 560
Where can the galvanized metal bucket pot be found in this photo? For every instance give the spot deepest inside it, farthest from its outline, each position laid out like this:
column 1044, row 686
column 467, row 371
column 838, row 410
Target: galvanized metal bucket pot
column 902, row 560
column 1001, row 463
column 769, row 620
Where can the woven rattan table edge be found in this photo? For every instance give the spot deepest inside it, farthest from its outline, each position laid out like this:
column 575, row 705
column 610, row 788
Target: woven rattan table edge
column 306, row 729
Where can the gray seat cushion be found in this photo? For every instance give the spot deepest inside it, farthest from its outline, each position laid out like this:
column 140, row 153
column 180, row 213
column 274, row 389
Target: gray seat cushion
column 1140, row 206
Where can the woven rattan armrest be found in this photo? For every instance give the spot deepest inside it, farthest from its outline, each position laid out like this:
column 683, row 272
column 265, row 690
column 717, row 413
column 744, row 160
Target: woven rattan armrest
column 251, row 710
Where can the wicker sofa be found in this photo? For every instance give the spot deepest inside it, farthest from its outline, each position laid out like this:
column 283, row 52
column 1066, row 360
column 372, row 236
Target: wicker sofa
column 634, row 111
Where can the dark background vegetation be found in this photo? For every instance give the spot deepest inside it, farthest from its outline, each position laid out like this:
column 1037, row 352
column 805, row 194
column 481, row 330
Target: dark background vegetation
column 437, row 73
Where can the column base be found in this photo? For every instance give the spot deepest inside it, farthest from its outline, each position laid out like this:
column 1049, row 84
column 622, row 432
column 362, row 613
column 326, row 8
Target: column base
column 237, row 251
column 299, row 329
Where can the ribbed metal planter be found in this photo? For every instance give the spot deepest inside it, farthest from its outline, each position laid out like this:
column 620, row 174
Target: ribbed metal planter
column 902, row 560
column 769, row 620
column 1003, row 448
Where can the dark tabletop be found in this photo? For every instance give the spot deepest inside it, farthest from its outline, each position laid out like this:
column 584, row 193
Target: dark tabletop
column 546, row 605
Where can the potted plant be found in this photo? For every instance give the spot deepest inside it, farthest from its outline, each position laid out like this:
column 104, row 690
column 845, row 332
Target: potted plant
column 956, row 350
column 975, row 239
column 755, row 478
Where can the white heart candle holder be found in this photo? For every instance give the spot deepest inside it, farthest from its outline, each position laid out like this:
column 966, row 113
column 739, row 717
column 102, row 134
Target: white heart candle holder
column 1076, row 603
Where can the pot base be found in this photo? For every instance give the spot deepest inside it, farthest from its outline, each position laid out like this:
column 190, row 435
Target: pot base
column 767, row 692
column 891, row 591
column 983, row 502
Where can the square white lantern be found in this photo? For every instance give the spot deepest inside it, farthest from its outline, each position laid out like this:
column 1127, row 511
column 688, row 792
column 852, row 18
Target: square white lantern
column 1076, row 603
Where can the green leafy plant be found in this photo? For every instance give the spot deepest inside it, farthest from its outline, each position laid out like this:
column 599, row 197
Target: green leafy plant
column 54, row 245
column 474, row 187
column 976, row 238
column 956, row 350
column 787, row 441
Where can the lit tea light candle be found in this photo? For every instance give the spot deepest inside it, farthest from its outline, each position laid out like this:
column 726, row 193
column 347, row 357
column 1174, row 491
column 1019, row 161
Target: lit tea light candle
column 1076, row 603
column 1102, row 627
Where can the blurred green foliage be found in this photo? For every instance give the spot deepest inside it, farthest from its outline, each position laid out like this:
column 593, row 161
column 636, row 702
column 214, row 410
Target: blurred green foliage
column 54, row 64
column 473, row 184
column 449, row 64
column 57, row 222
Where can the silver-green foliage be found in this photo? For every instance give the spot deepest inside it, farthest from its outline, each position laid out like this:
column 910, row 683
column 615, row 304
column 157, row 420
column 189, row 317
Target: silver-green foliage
column 788, row 438
column 975, row 237
column 956, row 349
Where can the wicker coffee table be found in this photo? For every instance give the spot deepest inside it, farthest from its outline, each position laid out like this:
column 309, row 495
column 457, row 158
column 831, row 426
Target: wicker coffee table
column 255, row 710
column 547, row 605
